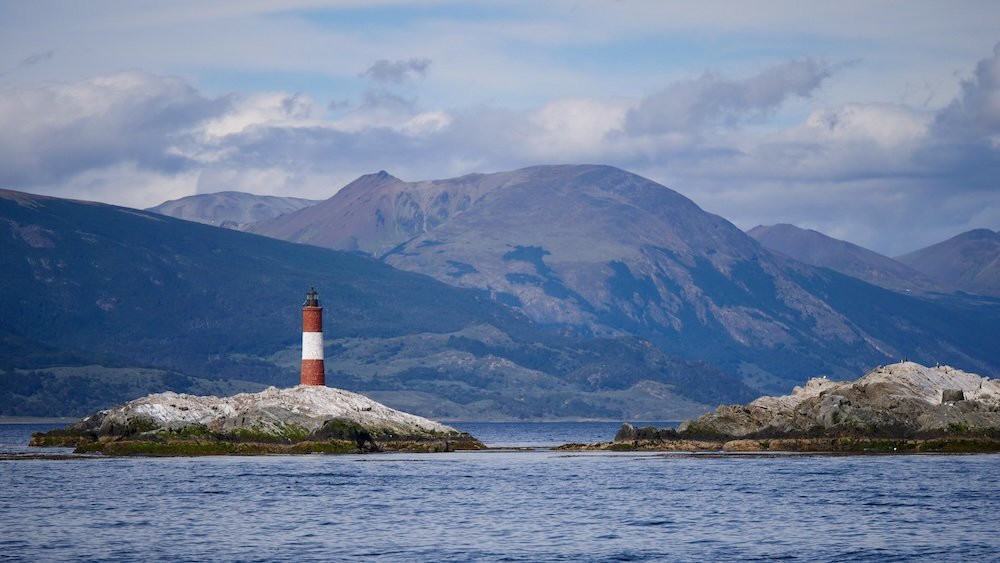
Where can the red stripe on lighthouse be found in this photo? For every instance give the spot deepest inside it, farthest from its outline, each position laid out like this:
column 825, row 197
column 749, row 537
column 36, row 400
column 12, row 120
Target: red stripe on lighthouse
column 313, row 372
column 312, row 319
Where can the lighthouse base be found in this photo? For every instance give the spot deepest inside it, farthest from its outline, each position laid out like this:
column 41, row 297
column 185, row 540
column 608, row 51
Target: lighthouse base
column 313, row 372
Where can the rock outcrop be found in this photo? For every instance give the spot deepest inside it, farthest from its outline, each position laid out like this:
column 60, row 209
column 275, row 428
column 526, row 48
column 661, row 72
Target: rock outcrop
column 900, row 407
column 902, row 400
column 302, row 419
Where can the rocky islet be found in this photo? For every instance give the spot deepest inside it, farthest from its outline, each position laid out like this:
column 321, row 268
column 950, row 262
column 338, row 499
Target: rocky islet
column 301, row 419
column 900, row 407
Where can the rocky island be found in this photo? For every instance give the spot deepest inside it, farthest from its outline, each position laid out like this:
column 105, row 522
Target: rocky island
column 301, row 419
column 903, row 407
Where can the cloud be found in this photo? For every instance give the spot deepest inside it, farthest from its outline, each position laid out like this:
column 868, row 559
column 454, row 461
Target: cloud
column 35, row 59
column 885, row 175
column 265, row 109
column 396, row 72
column 52, row 132
column 976, row 111
column 689, row 106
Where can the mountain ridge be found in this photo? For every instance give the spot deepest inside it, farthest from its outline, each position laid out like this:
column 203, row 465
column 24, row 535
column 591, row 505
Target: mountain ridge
column 969, row 261
column 88, row 283
column 818, row 249
column 230, row 209
column 597, row 250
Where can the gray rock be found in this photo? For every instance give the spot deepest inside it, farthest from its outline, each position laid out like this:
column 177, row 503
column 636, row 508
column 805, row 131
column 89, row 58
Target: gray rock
column 281, row 416
column 900, row 401
column 629, row 433
column 952, row 395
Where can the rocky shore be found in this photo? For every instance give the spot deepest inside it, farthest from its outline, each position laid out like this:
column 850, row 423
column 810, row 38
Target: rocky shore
column 302, row 419
column 904, row 407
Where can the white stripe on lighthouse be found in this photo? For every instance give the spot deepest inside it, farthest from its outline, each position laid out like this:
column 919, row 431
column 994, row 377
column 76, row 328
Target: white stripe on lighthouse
column 312, row 345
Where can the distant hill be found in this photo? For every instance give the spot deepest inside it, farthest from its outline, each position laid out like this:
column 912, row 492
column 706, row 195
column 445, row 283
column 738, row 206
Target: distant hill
column 373, row 214
column 969, row 261
column 139, row 301
column 817, row 249
column 232, row 210
column 595, row 250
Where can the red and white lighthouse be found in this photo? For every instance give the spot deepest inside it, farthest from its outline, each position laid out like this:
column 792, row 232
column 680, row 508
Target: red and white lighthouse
column 312, row 340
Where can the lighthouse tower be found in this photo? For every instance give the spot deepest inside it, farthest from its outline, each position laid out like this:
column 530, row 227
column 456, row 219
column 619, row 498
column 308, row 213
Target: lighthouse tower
column 312, row 340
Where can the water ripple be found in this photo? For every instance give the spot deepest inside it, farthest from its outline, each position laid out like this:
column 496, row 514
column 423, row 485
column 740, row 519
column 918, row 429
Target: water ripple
column 502, row 506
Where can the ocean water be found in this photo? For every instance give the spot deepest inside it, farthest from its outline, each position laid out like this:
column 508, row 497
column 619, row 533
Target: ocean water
column 514, row 505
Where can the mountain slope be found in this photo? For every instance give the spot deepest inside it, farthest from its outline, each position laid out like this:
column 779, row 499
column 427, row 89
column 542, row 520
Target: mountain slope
column 597, row 250
column 233, row 210
column 87, row 283
column 377, row 212
column 818, row 249
column 969, row 261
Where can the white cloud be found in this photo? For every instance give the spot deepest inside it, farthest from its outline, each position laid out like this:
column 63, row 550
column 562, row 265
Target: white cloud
column 886, row 126
column 125, row 183
column 574, row 128
column 272, row 109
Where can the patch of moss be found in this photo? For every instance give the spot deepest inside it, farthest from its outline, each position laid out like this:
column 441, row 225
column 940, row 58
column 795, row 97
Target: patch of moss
column 851, row 444
column 622, row 447
column 166, row 448
column 60, row 437
column 285, row 433
column 190, row 431
column 327, row 447
column 958, row 428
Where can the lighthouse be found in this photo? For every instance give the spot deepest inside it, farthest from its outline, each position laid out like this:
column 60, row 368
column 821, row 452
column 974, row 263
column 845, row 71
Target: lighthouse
column 312, row 340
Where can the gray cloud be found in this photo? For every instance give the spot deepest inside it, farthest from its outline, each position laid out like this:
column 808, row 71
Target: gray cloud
column 384, row 99
column 396, row 72
column 36, row 58
column 977, row 109
column 55, row 131
column 964, row 141
column 689, row 106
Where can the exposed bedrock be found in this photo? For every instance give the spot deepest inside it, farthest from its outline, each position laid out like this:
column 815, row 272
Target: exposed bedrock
column 302, row 419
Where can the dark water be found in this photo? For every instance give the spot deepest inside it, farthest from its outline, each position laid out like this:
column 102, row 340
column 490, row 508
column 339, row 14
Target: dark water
column 494, row 506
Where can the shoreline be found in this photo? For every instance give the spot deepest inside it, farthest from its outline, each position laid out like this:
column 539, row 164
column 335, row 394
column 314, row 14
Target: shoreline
column 564, row 450
column 837, row 445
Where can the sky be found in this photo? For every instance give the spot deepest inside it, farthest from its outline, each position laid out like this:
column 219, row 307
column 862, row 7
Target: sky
column 876, row 122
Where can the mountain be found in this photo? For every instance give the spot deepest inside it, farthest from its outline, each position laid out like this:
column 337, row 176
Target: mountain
column 102, row 304
column 596, row 250
column 969, row 261
column 817, row 249
column 233, row 210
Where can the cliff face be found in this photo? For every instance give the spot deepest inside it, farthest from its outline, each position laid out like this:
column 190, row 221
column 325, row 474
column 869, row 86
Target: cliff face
column 899, row 401
column 303, row 418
